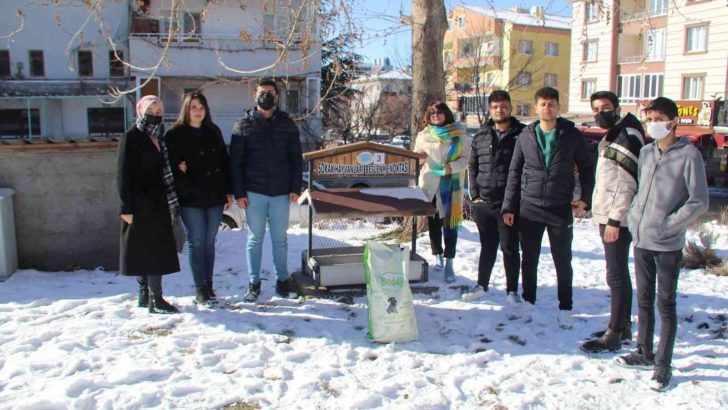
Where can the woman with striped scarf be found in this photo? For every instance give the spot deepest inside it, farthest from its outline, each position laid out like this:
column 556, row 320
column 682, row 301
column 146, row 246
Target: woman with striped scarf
column 149, row 206
column 442, row 178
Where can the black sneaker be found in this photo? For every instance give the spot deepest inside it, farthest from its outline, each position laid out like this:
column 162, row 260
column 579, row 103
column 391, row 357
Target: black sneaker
column 637, row 360
column 661, row 378
column 251, row 295
column 202, row 297
column 283, row 289
column 210, row 292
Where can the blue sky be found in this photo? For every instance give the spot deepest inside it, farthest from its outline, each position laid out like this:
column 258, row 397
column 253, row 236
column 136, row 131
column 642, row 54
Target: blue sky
column 384, row 36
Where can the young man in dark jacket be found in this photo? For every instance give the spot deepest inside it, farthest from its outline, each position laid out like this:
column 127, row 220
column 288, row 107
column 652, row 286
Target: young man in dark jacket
column 541, row 188
column 490, row 157
column 672, row 193
column 266, row 171
column 616, row 185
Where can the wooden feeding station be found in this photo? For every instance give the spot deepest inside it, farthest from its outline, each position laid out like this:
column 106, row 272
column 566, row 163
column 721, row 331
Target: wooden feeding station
column 375, row 181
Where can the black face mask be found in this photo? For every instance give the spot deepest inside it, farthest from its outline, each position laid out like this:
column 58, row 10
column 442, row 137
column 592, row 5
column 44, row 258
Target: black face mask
column 606, row 119
column 266, row 101
column 150, row 119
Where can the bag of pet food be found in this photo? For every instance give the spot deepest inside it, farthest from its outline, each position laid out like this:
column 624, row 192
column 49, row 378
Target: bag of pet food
column 389, row 298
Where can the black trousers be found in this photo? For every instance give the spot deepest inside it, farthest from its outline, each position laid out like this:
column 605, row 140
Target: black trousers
column 437, row 230
column 620, row 285
column 493, row 232
column 152, row 282
column 530, row 234
column 661, row 270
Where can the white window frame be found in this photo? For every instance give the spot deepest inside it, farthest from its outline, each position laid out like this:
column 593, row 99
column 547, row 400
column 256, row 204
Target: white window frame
column 461, row 22
column 524, row 79
column 692, row 87
column 551, row 49
column 525, row 47
column 629, row 88
column 550, row 80
column 696, row 39
column 590, row 57
column 658, row 7
column 656, row 44
column 588, row 87
column 449, row 24
column 591, row 11
column 652, row 85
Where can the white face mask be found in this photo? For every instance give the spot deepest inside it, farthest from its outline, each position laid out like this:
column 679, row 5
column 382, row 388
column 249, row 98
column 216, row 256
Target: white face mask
column 658, row 129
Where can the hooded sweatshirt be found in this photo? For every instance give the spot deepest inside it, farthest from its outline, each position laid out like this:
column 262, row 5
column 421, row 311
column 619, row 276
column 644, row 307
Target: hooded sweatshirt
column 672, row 193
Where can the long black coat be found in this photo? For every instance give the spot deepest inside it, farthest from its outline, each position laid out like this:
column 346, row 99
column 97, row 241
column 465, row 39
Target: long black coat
column 147, row 245
column 206, row 182
column 541, row 193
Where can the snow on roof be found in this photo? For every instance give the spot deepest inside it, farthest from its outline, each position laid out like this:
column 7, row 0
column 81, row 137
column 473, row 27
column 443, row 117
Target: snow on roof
column 525, row 18
column 386, row 75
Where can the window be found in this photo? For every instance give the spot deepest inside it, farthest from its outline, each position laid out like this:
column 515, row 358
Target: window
column 292, row 105
column 37, row 67
column 467, row 50
column 461, row 21
column 628, row 88
column 489, row 78
column 447, row 57
column 656, row 45
column 658, row 7
column 653, row 86
column 108, row 120
column 552, row 49
column 525, row 47
column 186, row 22
column 473, row 103
column 4, row 63
column 550, row 80
column 449, row 24
column 696, row 39
column 116, row 66
column 14, row 123
column 692, row 87
column 588, row 87
column 523, row 79
column 85, row 63
column 591, row 11
column 523, row 109
column 590, row 51
column 275, row 24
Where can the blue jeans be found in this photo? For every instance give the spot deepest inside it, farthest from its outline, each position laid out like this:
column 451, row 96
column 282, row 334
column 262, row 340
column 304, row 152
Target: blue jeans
column 274, row 211
column 201, row 225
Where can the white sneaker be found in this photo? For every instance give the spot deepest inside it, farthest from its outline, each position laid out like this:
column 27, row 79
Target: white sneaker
column 566, row 321
column 475, row 293
column 513, row 299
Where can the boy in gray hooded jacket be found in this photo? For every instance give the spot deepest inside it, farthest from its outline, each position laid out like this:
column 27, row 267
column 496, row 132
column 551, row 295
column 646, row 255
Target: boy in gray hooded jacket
column 672, row 193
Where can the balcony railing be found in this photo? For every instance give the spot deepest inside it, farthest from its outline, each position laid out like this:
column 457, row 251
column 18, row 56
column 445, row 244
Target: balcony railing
column 630, row 59
column 627, row 16
column 231, row 43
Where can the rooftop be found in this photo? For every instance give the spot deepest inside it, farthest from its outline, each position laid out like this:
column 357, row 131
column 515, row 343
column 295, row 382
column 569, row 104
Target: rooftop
column 526, row 18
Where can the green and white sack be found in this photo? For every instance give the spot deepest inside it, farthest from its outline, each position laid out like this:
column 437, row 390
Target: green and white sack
column 391, row 312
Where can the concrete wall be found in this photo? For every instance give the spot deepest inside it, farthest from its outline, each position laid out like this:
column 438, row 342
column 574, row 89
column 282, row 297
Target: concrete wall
column 66, row 204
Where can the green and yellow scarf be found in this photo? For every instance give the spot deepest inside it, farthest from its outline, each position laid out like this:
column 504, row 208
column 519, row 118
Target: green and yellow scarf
column 450, row 190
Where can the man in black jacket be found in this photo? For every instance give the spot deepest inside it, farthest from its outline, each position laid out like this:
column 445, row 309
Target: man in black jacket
column 266, row 171
column 541, row 188
column 490, row 157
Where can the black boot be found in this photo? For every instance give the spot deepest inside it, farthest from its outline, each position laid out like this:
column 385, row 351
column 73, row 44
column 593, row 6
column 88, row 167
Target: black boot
column 202, row 297
column 210, row 292
column 609, row 342
column 626, row 332
column 282, row 288
column 251, row 295
column 143, row 300
column 157, row 304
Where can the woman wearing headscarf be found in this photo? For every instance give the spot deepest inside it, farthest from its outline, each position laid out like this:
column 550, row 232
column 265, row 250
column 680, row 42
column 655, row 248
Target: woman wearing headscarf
column 442, row 179
column 202, row 179
column 148, row 206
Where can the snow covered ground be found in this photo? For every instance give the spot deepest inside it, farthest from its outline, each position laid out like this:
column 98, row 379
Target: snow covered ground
column 78, row 341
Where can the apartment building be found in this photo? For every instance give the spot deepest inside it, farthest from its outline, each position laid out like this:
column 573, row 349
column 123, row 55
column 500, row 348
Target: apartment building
column 516, row 50
column 643, row 49
column 223, row 49
column 56, row 69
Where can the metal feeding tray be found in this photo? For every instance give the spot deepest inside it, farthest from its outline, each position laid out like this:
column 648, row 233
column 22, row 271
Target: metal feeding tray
column 345, row 266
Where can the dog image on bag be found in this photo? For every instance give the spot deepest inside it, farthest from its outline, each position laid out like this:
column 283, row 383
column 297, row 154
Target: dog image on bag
column 392, row 308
